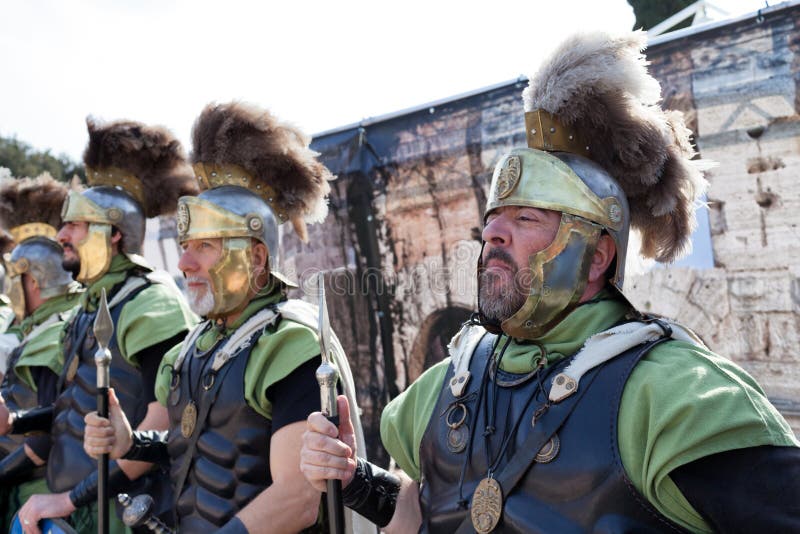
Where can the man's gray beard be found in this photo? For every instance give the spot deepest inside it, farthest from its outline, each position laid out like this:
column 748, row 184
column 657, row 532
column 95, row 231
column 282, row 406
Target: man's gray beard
column 200, row 301
column 498, row 302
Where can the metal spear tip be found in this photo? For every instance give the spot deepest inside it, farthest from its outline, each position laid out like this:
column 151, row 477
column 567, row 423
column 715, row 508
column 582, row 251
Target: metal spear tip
column 103, row 326
column 324, row 322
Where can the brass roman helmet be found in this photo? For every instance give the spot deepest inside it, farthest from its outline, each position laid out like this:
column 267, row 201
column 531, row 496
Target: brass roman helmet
column 255, row 174
column 605, row 155
column 134, row 172
column 30, row 208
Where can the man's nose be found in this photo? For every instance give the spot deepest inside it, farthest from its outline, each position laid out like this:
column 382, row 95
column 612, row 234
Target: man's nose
column 186, row 262
column 61, row 236
column 497, row 231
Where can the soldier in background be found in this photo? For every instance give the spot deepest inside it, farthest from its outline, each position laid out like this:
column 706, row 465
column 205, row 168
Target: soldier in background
column 134, row 172
column 239, row 388
column 43, row 296
column 7, row 317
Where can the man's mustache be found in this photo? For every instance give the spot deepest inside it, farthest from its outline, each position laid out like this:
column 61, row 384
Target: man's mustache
column 502, row 255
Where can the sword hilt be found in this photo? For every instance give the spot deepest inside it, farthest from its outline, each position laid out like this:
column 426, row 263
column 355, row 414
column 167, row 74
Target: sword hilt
column 138, row 513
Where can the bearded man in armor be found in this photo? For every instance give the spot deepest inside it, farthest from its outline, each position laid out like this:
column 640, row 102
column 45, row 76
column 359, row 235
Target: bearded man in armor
column 240, row 386
column 43, row 296
column 134, row 172
column 561, row 407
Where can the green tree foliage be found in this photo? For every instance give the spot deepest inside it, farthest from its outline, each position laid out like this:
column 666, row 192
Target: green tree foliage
column 22, row 160
column 651, row 12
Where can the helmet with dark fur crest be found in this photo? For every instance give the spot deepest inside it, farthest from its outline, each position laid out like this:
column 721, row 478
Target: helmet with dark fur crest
column 604, row 154
column 255, row 173
column 134, row 172
column 30, row 211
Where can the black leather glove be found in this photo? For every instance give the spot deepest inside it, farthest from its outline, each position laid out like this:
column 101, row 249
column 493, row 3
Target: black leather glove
column 85, row 492
column 35, row 420
column 372, row 493
column 149, row 446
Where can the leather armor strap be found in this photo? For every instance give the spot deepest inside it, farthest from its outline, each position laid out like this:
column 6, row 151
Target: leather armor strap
column 520, row 463
column 85, row 492
column 149, row 446
column 119, row 293
column 36, row 420
column 372, row 492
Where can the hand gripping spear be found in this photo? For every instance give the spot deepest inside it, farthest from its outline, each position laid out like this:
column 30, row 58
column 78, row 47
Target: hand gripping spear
column 327, row 376
column 103, row 330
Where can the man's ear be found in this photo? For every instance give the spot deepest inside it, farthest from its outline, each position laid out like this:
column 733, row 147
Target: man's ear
column 260, row 255
column 116, row 235
column 603, row 257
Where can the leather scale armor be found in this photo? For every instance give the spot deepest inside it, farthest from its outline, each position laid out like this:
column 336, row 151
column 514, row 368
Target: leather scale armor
column 584, row 488
column 230, row 463
column 68, row 463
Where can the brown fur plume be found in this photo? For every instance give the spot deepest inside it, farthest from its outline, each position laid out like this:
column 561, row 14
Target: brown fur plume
column 271, row 151
column 598, row 86
column 6, row 244
column 31, row 200
column 151, row 153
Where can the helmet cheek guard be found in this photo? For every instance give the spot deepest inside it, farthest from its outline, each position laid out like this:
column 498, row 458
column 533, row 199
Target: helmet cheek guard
column 590, row 202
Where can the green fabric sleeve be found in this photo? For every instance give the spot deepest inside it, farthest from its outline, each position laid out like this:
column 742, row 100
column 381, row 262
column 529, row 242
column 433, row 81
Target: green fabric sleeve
column 43, row 350
column 155, row 314
column 405, row 418
column 165, row 375
column 682, row 403
column 274, row 357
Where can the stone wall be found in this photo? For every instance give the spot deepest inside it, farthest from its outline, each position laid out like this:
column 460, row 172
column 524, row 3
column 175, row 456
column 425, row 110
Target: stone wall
column 401, row 244
column 739, row 86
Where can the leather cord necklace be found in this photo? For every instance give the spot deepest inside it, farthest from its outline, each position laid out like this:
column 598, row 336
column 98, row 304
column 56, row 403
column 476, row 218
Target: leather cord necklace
column 487, row 499
column 462, row 502
column 189, row 414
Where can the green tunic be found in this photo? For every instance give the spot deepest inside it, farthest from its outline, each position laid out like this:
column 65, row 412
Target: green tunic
column 45, row 349
column 277, row 353
column 680, row 403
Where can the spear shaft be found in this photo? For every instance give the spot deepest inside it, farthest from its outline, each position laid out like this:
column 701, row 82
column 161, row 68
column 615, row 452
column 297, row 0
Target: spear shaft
column 327, row 377
column 103, row 330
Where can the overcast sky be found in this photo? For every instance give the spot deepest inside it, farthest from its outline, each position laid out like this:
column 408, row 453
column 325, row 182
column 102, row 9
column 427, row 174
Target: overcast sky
column 318, row 64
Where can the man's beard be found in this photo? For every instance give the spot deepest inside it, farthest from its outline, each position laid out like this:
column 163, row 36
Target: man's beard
column 499, row 296
column 201, row 301
column 73, row 265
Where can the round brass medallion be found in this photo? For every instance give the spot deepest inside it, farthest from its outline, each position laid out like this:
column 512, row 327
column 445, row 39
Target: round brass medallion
column 549, row 450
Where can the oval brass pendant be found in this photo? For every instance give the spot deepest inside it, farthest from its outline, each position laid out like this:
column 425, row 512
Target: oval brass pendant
column 188, row 419
column 457, row 439
column 549, row 450
column 487, row 506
